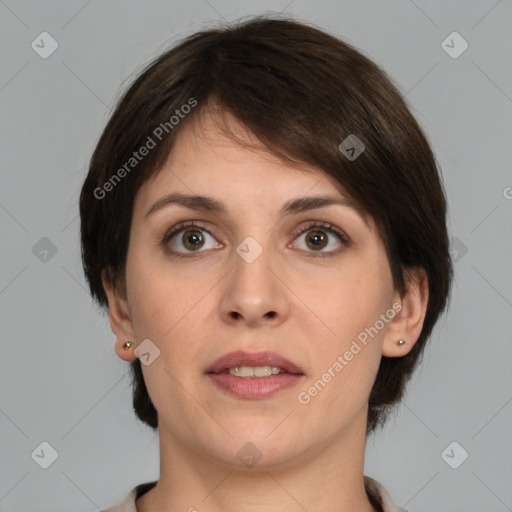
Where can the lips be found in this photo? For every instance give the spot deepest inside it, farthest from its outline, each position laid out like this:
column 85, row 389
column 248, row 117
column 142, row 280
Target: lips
column 241, row 358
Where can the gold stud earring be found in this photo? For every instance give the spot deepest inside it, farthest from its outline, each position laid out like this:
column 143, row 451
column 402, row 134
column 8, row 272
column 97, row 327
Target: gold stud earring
column 401, row 342
column 127, row 345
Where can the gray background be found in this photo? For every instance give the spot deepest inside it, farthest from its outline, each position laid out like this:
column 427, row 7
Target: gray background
column 61, row 381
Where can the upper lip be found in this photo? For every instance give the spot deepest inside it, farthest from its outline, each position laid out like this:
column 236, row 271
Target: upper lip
column 241, row 358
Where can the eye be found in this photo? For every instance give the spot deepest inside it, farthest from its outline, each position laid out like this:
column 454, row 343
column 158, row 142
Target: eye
column 194, row 237
column 321, row 235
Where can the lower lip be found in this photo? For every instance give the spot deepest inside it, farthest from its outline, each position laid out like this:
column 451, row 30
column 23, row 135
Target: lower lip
column 253, row 388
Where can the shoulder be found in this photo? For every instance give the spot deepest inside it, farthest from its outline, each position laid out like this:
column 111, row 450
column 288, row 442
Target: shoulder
column 128, row 503
column 380, row 495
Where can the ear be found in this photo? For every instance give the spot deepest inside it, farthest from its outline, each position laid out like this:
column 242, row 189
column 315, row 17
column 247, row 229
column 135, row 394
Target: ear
column 119, row 315
column 408, row 322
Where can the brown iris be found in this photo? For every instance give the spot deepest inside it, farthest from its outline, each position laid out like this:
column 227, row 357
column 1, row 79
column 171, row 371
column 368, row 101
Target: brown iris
column 316, row 239
column 193, row 239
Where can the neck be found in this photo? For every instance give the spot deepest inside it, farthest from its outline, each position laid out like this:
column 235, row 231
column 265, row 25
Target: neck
column 331, row 479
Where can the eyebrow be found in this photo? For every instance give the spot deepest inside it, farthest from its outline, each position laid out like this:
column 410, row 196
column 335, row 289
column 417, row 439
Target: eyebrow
column 293, row 206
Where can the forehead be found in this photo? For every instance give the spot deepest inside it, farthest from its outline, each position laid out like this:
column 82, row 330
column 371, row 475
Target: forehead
column 204, row 158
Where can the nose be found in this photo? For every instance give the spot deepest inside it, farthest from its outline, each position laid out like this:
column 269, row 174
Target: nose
column 254, row 292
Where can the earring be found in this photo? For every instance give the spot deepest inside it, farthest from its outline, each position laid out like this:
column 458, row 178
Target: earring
column 127, row 345
column 401, row 342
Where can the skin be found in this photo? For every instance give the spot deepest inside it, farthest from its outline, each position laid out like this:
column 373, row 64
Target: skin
column 311, row 455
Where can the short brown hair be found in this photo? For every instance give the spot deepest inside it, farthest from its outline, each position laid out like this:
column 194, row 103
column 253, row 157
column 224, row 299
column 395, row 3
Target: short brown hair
column 301, row 92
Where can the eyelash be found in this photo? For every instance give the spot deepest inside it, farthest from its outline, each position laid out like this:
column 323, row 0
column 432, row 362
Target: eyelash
column 309, row 227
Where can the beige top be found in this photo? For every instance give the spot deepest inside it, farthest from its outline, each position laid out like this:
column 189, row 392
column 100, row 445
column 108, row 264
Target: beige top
column 379, row 497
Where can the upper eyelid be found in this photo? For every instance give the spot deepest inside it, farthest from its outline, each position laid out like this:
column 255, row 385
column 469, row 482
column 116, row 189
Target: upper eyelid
column 187, row 224
column 328, row 226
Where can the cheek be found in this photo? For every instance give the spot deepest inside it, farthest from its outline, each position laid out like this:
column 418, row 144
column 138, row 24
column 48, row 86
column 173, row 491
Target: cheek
column 154, row 301
column 166, row 302
column 348, row 360
column 355, row 299
column 351, row 348
column 160, row 311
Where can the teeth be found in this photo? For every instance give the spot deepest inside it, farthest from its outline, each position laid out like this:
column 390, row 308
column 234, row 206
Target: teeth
column 254, row 371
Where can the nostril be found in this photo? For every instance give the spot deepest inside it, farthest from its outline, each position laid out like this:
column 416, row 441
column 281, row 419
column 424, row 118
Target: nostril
column 270, row 314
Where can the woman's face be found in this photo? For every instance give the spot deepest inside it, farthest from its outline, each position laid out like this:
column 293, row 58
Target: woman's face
column 255, row 275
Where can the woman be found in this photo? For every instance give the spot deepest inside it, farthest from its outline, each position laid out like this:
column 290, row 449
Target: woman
column 264, row 219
